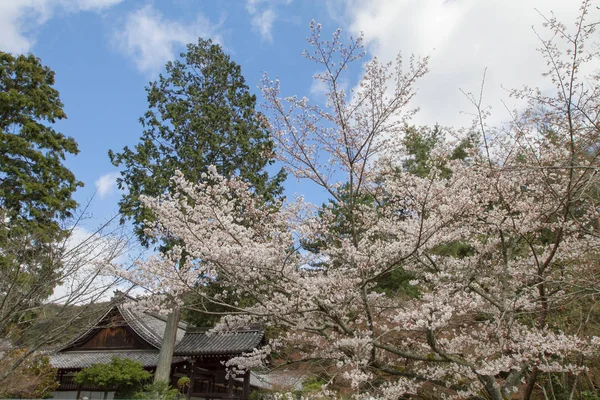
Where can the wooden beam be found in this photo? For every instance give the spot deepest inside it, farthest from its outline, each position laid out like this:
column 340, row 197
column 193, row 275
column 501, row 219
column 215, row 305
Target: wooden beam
column 230, row 386
column 209, row 374
column 246, row 394
column 188, row 395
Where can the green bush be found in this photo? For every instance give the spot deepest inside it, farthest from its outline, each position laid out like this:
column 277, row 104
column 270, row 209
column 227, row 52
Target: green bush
column 157, row 391
column 122, row 375
column 183, row 382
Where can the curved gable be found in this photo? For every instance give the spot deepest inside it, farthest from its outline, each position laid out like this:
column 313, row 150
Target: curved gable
column 111, row 332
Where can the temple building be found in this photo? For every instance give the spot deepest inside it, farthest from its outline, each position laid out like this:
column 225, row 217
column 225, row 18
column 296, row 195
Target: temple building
column 125, row 332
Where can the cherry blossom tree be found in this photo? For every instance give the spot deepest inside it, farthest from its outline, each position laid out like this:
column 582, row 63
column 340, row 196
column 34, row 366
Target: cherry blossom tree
column 524, row 204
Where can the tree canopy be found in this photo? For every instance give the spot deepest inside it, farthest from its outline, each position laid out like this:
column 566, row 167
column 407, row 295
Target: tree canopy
column 489, row 319
column 124, row 376
column 35, row 378
column 200, row 113
column 35, row 187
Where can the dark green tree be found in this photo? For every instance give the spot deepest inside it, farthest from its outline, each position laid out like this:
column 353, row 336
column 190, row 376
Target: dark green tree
column 124, row 376
column 419, row 142
column 201, row 113
column 35, row 187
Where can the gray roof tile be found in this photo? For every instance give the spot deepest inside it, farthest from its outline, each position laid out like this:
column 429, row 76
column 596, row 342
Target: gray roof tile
column 83, row 359
column 150, row 327
column 279, row 380
column 201, row 343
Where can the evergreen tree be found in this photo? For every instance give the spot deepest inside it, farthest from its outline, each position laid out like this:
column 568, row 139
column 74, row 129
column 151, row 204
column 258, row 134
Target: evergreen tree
column 201, row 113
column 35, row 187
column 419, row 142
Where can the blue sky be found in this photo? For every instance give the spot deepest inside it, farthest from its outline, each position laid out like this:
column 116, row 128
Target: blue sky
column 105, row 51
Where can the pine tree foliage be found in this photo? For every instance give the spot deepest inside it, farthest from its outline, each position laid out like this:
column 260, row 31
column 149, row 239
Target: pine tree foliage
column 201, row 113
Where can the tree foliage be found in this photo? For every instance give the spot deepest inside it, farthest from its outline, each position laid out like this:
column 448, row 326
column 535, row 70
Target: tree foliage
column 160, row 390
column 420, row 142
column 500, row 243
column 200, row 113
column 35, row 187
column 124, row 376
column 33, row 379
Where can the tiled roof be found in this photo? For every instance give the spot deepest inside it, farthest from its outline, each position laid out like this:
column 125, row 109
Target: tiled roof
column 150, row 327
column 83, row 359
column 256, row 381
column 280, row 380
column 230, row 343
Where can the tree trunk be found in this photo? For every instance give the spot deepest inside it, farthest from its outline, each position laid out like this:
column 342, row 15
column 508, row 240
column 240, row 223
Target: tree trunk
column 165, row 357
column 491, row 387
column 531, row 384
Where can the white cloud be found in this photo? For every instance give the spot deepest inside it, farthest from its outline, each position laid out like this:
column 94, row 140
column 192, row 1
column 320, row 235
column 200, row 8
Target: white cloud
column 93, row 4
column 106, row 184
column 20, row 19
column 263, row 22
column 263, row 15
column 151, row 40
column 318, row 89
column 463, row 37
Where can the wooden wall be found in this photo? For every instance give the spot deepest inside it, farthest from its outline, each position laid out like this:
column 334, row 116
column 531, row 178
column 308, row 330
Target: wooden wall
column 118, row 337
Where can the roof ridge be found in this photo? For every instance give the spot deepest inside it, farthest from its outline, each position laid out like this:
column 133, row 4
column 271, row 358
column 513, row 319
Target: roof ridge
column 195, row 330
column 103, row 351
column 144, row 335
column 219, row 343
column 181, row 324
column 77, row 338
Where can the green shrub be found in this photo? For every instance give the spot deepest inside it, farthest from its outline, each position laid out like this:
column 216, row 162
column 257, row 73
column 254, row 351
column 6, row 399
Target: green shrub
column 122, row 375
column 183, row 382
column 157, row 391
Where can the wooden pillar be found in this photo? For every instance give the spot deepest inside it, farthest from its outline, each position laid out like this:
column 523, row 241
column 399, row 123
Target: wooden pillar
column 192, row 379
column 246, row 394
column 230, row 386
